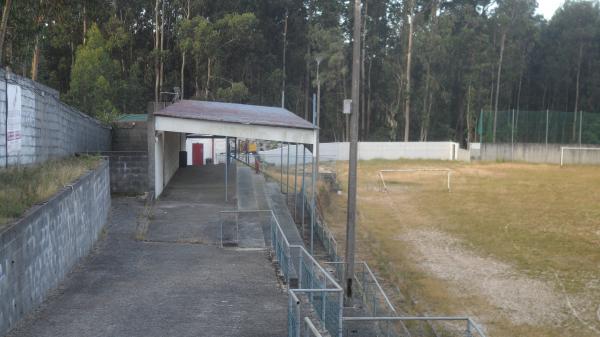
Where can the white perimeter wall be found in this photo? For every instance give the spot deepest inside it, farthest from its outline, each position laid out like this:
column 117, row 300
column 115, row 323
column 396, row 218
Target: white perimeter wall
column 392, row 150
column 166, row 159
column 374, row 150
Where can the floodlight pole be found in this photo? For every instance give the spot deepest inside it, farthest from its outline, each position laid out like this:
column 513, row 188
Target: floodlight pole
column 351, row 223
column 318, row 59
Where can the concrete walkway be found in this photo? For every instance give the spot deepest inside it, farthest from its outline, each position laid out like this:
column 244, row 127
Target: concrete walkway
column 176, row 283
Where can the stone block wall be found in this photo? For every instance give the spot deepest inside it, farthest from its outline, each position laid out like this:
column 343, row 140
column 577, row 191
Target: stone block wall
column 128, row 171
column 37, row 251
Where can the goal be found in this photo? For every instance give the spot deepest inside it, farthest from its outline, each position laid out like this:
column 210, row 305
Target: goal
column 447, row 171
column 565, row 156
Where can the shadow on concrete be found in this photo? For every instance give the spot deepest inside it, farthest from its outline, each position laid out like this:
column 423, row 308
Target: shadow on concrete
column 177, row 283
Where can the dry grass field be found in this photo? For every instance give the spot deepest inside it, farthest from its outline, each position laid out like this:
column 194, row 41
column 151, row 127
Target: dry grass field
column 515, row 246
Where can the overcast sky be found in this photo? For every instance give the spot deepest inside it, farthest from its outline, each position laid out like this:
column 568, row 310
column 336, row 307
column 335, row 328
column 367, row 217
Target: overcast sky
column 548, row 7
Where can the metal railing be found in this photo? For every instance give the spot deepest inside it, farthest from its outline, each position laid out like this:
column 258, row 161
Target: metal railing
column 309, row 329
column 317, row 293
column 315, row 286
column 320, row 296
column 449, row 326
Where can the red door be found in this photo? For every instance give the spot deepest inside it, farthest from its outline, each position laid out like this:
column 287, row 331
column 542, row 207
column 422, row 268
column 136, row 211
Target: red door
column 197, row 154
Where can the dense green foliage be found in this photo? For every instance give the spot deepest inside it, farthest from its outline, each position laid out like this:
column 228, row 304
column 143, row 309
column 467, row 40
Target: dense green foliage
column 467, row 56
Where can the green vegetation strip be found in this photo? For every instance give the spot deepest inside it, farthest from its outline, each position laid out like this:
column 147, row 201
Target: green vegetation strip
column 25, row 186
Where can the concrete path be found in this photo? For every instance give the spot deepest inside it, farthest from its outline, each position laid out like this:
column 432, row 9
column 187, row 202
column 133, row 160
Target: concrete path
column 176, row 283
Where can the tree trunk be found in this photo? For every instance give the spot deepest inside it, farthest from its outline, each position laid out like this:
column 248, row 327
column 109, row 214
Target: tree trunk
column 424, row 116
column 36, row 59
column 408, row 68
column 369, row 99
column 207, row 89
column 285, row 27
column 162, row 46
column 362, row 72
column 84, row 23
column 576, row 108
column 502, row 42
column 181, row 90
column 307, row 85
column 469, row 117
column 5, row 14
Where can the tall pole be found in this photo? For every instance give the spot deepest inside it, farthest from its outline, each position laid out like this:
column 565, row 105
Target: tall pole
column 318, row 59
column 547, row 113
column 226, row 166
column 285, row 27
column 303, row 186
column 287, row 176
column 313, row 183
column 512, row 136
column 580, row 125
column 296, row 184
column 351, row 223
column 281, row 167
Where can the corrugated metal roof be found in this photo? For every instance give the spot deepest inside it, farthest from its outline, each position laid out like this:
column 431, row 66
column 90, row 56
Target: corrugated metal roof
column 234, row 113
column 133, row 118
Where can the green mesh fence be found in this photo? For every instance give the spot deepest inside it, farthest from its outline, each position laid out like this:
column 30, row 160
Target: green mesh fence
column 553, row 127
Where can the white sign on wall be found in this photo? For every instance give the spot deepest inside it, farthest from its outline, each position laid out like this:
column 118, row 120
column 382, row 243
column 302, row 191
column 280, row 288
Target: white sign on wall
column 14, row 133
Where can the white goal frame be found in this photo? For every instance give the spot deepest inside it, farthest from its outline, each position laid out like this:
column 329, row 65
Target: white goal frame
column 447, row 170
column 563, row 148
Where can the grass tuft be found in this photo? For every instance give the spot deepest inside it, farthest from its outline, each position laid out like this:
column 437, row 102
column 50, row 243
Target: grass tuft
column 25, row 186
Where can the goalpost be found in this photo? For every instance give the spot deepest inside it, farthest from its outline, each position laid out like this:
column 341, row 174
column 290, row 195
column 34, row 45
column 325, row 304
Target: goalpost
column 572, row 148
column 381, row 172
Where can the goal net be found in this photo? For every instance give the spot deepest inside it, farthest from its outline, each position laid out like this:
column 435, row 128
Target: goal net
column 579, row 155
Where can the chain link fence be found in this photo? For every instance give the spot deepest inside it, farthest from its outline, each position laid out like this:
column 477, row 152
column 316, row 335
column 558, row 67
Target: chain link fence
column 545, row 127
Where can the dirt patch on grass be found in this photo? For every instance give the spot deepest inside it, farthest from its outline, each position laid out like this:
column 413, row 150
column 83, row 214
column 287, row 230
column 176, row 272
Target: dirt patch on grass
column 524, row 300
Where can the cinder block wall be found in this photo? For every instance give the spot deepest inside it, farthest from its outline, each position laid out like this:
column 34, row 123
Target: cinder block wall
column 128, row 171
column 38, row 251
column 130, row 136
column 129, row 158
column 49, row 128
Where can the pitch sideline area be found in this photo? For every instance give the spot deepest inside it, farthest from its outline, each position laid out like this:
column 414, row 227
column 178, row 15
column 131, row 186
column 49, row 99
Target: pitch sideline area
column 515, row 245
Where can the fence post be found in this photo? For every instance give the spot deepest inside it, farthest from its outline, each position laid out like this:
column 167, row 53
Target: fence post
column 468, row 332
column 547, row 113
column 580, row 125
column 287, row 176
column 512, row 136
column 300, row 266
column 341, row 314
column 296, row 184
column 303, row 186
column 324, row 303
column 290, row 330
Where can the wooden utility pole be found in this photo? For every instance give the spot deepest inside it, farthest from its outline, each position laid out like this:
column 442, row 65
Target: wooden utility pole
column 351, row 220
column 408, row 68
column 156, row 56
column 285, row 26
